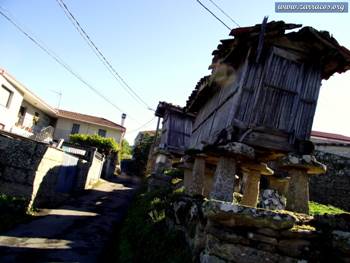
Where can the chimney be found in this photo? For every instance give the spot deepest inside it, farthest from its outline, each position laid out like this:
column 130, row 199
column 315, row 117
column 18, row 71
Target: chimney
column 123, row 119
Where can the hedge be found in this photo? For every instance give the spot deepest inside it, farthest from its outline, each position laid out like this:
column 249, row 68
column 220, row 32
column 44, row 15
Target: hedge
column 104, row 145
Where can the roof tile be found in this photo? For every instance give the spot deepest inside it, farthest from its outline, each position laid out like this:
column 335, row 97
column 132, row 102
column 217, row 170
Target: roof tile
column 89, row 119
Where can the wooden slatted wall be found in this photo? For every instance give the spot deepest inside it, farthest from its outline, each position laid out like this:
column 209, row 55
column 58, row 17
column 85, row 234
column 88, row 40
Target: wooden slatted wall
column 278, row 93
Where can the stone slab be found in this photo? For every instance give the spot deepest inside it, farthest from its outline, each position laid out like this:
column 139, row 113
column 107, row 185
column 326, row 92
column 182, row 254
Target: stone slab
column 232, row 215
column 244, row 254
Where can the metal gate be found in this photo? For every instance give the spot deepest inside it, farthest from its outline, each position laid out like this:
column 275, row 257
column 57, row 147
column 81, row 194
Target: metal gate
column 67, row 176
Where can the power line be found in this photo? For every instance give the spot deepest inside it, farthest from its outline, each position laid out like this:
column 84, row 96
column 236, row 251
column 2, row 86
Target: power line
column 59, row 60
column 99, row 53
column 222, row 11
column 206, row 8
column 143, row 125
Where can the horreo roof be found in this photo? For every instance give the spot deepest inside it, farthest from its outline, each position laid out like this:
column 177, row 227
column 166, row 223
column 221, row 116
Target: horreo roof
column 316, row 47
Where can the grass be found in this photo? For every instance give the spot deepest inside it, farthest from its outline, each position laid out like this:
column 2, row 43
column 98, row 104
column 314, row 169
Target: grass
column 13, row 211
column 320, row 209
column 144, row 235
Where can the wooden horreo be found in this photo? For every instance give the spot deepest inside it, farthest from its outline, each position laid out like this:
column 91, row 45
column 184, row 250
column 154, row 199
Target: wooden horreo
column 176, row 128
column 257, row 106
column 264, row 87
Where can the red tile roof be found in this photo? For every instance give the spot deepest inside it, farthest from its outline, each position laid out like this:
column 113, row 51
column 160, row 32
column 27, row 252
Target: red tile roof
column 89, row 119
column 330, row 136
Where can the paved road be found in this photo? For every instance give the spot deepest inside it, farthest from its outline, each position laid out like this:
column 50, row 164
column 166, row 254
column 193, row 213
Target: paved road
column 76, row 232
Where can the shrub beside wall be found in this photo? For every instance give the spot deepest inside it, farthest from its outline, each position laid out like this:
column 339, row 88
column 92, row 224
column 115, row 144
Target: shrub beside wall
column 104, row 145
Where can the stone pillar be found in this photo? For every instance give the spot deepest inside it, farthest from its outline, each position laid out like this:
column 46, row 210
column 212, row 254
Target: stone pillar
column 251, row 189
column 224, row 179
column 299, row 169
column 162, row 162
column 252, row 172
column 298, row 191
column 187, row 168
column 197, row 179
column 244, row 181
column 208, row 182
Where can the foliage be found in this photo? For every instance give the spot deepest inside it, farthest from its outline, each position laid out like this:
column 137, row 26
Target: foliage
column 145, row 236
column 12, row 211
column 104, row 145
column 125, row 151
column 174, row 172
column 141, row 152
column 320, row 209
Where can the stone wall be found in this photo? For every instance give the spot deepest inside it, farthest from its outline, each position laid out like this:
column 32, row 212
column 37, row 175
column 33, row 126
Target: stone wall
column 332, row 187
column 338, row 148
column 223, row 232
column 19, row 161
column 43, row 175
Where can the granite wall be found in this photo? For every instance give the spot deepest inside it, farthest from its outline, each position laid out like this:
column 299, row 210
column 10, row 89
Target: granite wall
column 223, row 232
column 43, row 175
column 332, row 187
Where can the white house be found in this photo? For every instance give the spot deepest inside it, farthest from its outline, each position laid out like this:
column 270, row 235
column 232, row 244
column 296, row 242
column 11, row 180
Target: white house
column 24, row 113
column 21, row 111
column 72, row 122
column 331, row 143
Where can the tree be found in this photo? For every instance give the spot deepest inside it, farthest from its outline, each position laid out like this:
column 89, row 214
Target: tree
column 140, row 153
column 125, row 151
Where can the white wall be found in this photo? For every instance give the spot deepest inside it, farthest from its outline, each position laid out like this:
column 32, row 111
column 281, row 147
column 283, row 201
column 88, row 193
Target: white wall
column 44, row 119
column 8, row 116
column 64, row 127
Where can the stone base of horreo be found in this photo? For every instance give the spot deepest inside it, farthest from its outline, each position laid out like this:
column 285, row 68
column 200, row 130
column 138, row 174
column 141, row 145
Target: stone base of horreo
column 218, row 231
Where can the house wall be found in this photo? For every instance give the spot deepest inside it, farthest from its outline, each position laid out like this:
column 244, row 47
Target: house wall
column 44, row 119
column 338, row 149
column 8, row 116
column 64, row 128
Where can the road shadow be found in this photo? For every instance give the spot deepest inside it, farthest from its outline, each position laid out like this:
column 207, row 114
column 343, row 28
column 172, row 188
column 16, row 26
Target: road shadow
column 75, row 232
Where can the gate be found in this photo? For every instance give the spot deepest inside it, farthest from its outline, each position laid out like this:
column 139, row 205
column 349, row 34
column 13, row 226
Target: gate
column 67, row 176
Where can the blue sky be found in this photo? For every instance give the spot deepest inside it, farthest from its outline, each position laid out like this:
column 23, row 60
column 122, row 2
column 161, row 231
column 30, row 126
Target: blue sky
column 160, row 47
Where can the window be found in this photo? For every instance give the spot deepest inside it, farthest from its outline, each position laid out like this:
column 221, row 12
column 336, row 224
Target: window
column 36, row 118
column 102, row 133
column 5, row 96
column 21, row 115
column 75, row 128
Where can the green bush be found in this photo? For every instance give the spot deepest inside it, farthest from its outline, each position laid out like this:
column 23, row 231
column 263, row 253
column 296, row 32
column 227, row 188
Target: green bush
column 145, row 237
column 13, row 211
column 104, row 145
